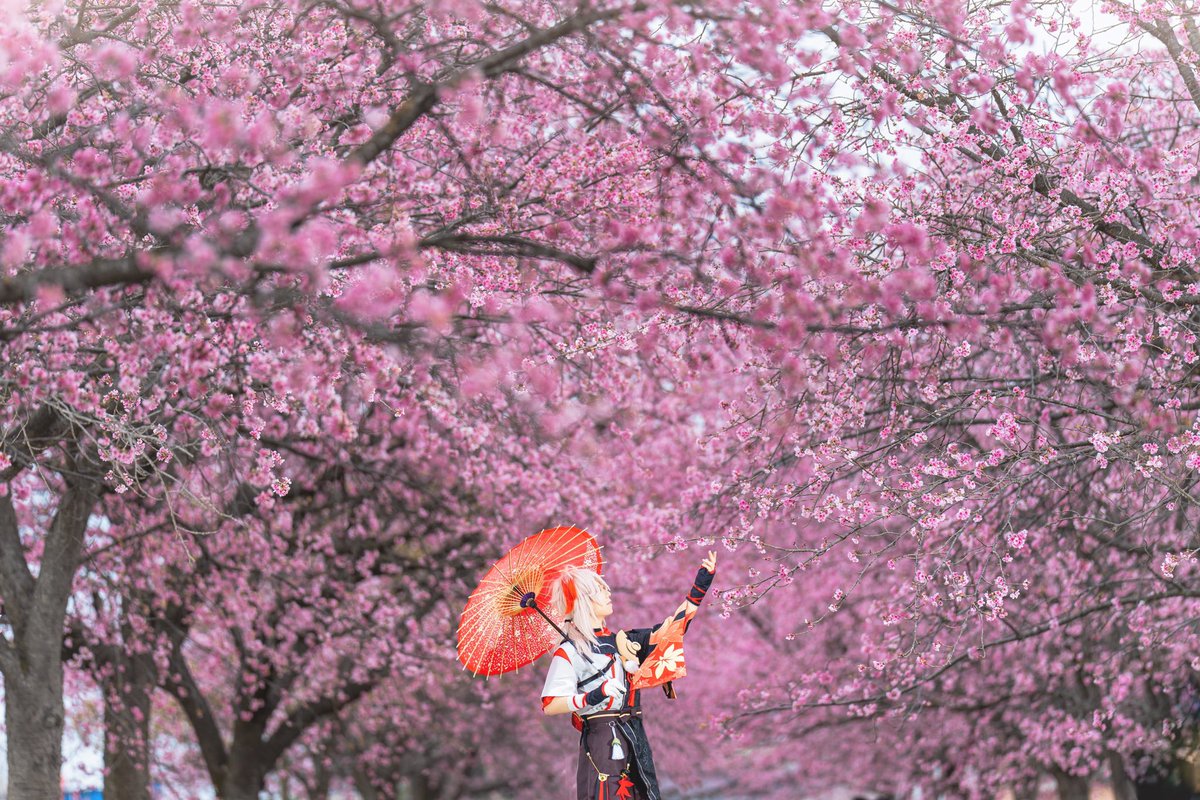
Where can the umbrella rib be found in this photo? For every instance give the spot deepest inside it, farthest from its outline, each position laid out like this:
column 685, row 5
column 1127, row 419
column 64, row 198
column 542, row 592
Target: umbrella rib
column 475, row 644
column 478, row 640
column 529, row 555
column 519, row 560
column 480, row 607
column 481, row 599
column 545, row 549
column 560, row 534
column 569, row 557
column 497, row 567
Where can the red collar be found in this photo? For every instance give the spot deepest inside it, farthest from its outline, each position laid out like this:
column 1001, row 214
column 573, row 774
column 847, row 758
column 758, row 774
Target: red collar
column 602, row 631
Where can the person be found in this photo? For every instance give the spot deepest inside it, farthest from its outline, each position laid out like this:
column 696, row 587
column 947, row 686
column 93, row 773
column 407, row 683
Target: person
column 589, row 678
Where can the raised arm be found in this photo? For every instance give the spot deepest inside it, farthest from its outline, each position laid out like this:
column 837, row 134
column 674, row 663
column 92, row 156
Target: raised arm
column 641, row 641
column 700, row 586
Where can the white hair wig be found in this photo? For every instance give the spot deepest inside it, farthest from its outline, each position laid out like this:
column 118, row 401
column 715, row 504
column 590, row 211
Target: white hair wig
column 582, row 619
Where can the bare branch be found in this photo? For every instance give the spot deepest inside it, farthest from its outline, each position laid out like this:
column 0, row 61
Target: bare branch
column 74, row 279
column 507, row 245
column 426, row 97
column 182, row 684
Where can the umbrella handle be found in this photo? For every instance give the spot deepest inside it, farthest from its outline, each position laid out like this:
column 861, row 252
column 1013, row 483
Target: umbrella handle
column 529, row 600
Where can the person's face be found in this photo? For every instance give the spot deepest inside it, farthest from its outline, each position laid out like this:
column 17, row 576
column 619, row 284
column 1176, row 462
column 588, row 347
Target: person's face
column 602, row 602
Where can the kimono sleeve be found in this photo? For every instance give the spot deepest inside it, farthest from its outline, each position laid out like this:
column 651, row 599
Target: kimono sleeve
column 642, row 637
column 560, row 679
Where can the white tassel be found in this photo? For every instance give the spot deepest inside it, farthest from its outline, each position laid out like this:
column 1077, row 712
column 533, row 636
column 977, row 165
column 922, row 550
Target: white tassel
column 631, row 666
column 618, row 752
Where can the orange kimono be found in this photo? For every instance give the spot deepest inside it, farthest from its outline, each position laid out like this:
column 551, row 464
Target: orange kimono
column 660, row 650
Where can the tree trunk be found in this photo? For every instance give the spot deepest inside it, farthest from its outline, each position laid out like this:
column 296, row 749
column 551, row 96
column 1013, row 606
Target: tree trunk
column 32, row 660
column 420, row 786
column 127, row 694
column 1071, row 787
column 1027, row 789
column 1122, row 786
column 33, row 716
column 364, row 786
column 321, row 782
column 244, row 778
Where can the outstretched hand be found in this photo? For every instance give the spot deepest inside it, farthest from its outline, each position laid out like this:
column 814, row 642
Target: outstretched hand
column 710, row 563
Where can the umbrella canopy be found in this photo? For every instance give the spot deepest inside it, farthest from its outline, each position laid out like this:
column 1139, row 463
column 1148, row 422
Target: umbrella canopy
column 504, row 626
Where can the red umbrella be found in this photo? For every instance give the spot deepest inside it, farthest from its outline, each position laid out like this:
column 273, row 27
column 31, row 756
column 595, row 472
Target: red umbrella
column 504, row 626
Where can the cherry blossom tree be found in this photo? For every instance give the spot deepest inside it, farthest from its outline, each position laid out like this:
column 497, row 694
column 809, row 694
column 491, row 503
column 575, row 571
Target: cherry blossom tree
column 311, row 307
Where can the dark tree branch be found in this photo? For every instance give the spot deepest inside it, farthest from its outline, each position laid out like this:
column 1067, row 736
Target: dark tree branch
column 426, row 97
column 79, row 35
column 74, row 279
column 182, row 684
column 16, row 581
column 43, row 429
column 1162, row 31
column 303, row 717
column 507, row 245
column 60, row 559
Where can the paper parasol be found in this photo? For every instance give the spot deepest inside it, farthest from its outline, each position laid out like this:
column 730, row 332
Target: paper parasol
column 504, row 626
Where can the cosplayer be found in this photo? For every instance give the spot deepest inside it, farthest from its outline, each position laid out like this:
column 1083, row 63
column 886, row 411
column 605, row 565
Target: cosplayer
column 597, row 676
